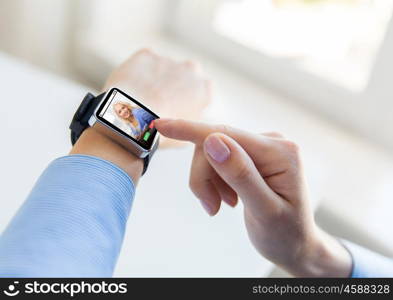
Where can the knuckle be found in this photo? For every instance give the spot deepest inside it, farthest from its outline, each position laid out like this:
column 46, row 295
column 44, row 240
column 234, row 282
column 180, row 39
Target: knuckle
column 191, row 64
column 241, row 174
column 193, row 184
column 293, row 151
column 223, row 128
column 291, row 147
column 144, row 51
column 274, row 134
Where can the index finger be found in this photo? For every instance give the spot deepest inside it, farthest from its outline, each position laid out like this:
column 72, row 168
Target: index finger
column 273, row 149
column 196, row 132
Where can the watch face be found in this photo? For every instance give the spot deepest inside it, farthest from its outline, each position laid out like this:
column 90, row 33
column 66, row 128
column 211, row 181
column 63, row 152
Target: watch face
column 128, row 117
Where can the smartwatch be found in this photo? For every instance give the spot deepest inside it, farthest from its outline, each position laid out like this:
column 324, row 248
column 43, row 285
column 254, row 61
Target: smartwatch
column 120, row 117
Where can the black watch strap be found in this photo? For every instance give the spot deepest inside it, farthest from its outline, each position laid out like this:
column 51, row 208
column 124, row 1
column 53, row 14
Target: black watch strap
column 80, row 122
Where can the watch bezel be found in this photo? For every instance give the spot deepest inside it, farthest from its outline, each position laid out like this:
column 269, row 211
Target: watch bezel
column 117, row 134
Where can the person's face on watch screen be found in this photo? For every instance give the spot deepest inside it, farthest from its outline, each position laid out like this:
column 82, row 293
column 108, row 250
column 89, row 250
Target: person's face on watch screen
column 122, row 111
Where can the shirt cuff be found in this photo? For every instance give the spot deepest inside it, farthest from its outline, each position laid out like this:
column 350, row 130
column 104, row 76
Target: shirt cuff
column 366, row 263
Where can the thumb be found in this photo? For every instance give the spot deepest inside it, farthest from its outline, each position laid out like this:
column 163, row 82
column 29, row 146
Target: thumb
column 232, row 163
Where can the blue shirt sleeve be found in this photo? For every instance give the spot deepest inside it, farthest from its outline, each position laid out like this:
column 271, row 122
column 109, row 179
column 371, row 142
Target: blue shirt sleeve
column 72, row 224
column 366, row 263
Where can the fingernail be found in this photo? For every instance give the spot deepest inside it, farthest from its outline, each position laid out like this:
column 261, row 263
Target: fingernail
column 208, row 208
column 231, row 203
column 217, row 149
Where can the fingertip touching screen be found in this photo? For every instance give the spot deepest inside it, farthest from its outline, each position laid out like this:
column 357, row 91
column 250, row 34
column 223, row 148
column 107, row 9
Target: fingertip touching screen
column 129, row 117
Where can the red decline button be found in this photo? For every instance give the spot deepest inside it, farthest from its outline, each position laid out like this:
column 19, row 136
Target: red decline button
column 151, row 125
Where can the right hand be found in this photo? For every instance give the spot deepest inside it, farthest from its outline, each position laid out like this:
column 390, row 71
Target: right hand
column 266, row 172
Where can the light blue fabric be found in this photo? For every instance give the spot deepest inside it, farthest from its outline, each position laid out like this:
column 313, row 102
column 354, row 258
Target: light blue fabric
column 366, row 263
column 71, row 224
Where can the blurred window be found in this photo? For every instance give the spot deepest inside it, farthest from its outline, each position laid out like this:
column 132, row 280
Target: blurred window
column 335, row 56
column 335, row 39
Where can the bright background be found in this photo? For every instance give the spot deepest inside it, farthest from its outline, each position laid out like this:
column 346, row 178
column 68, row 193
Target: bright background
column 319, row 71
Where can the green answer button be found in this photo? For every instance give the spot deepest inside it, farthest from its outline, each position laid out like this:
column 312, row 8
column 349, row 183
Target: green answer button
column 146, row 136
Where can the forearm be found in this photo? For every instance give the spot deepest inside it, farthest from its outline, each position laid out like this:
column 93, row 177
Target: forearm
column 95, row 144
column 73, row 221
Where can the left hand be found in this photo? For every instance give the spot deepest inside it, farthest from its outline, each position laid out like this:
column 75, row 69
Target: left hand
column 170, row 89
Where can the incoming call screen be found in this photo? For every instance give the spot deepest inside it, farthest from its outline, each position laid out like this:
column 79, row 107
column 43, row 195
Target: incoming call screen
column 125, row 114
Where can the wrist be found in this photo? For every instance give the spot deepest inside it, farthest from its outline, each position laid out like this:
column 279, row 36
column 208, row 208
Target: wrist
column 94, row 143
column 324, row 256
